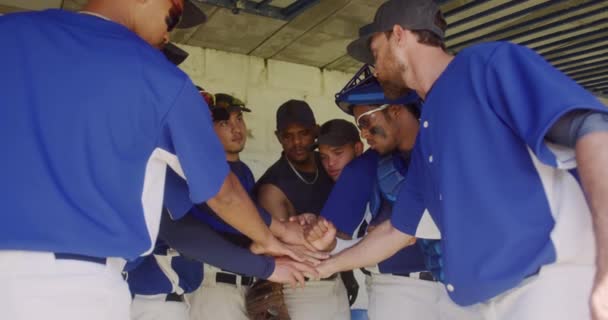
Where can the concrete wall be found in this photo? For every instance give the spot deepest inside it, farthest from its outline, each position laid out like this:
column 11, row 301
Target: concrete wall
column 264, row 85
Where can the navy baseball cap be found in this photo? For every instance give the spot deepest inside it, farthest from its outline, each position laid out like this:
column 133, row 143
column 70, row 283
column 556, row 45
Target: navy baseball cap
column 174, row 53
column 409, row 14
column 192, row 16
column 295, row 111
column 338, row 132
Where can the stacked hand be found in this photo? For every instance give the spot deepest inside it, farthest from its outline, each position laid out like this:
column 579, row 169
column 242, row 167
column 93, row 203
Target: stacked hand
column 321, row 235
column 318, row 231
column 301, row 244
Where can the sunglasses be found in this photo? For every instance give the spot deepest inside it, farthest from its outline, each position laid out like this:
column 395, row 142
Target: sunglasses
column 364, row 120
column 209, row 98
column 175, row 15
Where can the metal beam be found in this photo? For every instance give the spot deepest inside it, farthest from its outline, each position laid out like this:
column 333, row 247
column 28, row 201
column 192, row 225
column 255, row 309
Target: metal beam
column 596, row 71
column 575, row 37
column 494, row 9
column 602, row 50
column 592, row 81
column 600, row 87
column 592, row 11
column 578, row 62
column 586, row 65
column 581, row 49
column 467, row 9
column 296, row 8
column 263, row 8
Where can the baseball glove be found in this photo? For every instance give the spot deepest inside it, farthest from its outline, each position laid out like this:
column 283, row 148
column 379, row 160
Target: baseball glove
column 265, row 301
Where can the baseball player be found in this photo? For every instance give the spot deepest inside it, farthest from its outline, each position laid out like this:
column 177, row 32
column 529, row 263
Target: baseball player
column 222, row 293
column 92, row 114
column 338, row 144
column 363, row 196
column 392, row 289
column 297, row 184
column 500, row 128
column 159, row 282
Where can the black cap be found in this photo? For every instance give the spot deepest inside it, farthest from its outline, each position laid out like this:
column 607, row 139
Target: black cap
column 174, row 53
column 192, row 16
column 409, row 14
column 295, row 111
column 229, row 102
column 338, row 132
column 224, row 105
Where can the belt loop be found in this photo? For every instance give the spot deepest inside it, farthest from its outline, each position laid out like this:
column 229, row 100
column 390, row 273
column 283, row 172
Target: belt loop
column 116, row 264
column 239, row 281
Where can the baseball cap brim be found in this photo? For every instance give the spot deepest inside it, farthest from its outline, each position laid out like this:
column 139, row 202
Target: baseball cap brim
column 238, row 108
column 174, row 54
column 333, row 141
column 192, row 16
column 359, row 48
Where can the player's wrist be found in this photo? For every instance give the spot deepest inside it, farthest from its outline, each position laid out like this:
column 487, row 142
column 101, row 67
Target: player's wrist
column 326, row 247
column 332, row 245
column 277, row 228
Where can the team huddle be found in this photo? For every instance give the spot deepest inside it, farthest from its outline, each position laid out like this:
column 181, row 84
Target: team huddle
column 483, row 193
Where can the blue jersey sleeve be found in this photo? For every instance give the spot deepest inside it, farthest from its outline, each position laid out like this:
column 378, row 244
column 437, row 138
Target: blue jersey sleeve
column 195, row 240
column 409, row 206
column 176, row 198
column 191, row 147
column 205, row 214
column 348, row 199
column 530, row 95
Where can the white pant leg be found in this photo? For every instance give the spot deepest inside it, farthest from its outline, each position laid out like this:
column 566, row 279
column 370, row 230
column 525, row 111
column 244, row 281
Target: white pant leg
column 558, row 292
column 155, row 307
column 362, row 299
column 449, row 310
column 37, row 286
column 396, row 297
column 214, row 300
column 319, row 300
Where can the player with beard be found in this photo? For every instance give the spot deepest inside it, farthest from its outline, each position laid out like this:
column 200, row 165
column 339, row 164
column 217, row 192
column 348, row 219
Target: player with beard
column 509, row 150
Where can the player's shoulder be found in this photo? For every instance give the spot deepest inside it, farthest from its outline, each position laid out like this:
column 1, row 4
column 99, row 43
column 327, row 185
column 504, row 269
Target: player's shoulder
column 26, row 21
column 274, row 172
column 157, row 66
column 492, row 52
column 240, row 168
column 368, row 160
column 25, row 16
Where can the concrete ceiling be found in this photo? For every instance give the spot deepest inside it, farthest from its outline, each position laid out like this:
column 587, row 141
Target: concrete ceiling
column 573, row 35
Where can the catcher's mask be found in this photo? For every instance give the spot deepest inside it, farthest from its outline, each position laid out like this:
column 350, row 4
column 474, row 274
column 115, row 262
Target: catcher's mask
column 364, row 89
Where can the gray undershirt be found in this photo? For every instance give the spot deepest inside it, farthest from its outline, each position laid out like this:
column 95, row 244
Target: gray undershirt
column 576, row 124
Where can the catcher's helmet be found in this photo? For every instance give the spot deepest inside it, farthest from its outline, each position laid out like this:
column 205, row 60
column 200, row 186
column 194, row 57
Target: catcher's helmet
column 364, row 89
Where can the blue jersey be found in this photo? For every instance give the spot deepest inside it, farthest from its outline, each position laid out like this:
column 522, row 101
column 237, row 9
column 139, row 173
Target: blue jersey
column 91, row 115
column 165, row 271
column 347, row 208
column 176, row 198
column 206, row 214
column 493, row 185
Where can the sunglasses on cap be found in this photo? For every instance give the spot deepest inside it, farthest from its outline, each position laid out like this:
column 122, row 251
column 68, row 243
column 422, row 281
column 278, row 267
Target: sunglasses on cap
column 364, row 120
column 175, row 14
column 209, row 98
